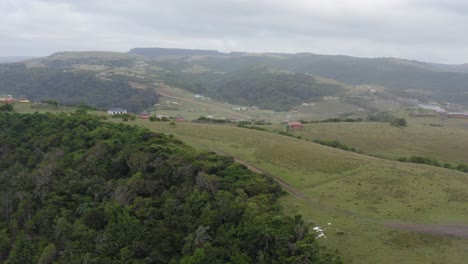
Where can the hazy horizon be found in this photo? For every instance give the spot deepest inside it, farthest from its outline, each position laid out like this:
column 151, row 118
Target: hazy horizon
column 415, row 30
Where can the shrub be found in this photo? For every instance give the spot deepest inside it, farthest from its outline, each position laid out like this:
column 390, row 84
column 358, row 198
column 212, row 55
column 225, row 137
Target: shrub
column 398, row 122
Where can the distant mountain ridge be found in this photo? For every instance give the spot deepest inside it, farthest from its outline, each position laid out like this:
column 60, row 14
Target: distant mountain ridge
column 161, row 52
column 14, row 59
column 404, row 78
column 276, row 81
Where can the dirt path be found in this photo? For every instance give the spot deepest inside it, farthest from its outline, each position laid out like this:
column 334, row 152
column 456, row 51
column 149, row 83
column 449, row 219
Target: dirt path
column 298, row 194
column 459, row 231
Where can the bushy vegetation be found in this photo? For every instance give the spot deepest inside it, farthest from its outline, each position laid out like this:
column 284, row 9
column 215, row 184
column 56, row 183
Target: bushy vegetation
column 384, row 116
column 434, row 162
column 73, row 88
column 257, row 85
column 77, row 190
column 398, row 122
column 204, row 119
column 334, row 144
column 334, row 120
column 6, row 108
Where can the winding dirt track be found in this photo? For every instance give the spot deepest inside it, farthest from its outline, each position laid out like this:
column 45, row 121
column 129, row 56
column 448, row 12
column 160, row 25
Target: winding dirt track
column 458, row 231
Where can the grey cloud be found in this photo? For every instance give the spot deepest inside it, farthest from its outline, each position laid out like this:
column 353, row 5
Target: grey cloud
column 425, row 30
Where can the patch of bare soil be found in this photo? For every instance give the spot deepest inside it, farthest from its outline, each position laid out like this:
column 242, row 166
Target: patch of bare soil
column 460, row 231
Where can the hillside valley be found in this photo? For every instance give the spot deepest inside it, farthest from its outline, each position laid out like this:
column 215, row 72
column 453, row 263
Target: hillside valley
column 279, row 82
column 205, row 167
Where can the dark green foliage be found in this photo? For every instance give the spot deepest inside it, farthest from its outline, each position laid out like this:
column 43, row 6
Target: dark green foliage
column 386, row 117
column 257, row 85
column 334, row 120
column 124, row 117
column 380, row 117
column 76, row 190
column 335, row 144
column 421, row 160
column 399, row 77
column 77, row 88
column 434, row 162
column 6, row 108
column 261, row 123
column 462, row 167
column 244, row 125
column 398, row 122
column 204, row 119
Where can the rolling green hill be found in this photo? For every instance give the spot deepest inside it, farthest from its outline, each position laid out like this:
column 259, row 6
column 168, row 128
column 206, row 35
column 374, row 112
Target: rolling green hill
column 76, row 87
column 400, row 77
column 444, row 144
column 260, row 86
column 359, row 195
column 273, row 81
column 424, row 81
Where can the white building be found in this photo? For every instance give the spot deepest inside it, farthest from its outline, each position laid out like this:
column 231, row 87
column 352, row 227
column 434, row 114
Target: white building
column 116, row 111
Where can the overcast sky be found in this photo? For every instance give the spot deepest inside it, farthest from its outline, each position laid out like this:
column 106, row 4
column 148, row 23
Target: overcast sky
column 427, row 30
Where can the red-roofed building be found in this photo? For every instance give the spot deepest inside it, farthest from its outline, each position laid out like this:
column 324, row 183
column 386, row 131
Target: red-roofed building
column 144, row 115
column 179, row 118
column 294, row 125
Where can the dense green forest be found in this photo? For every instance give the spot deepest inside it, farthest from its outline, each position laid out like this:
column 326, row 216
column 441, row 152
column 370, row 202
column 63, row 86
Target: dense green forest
column 74, row 189
column 76, row 87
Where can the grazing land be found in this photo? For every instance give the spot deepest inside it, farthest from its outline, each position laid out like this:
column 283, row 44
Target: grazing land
column 446, row 144
column 357, row 194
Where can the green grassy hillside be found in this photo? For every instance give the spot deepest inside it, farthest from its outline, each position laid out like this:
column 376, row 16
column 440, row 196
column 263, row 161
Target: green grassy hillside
column 357, row 194
column 446, row 144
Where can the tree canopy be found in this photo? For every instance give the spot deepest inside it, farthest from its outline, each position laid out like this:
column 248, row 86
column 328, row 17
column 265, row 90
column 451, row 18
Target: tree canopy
column 74, row 189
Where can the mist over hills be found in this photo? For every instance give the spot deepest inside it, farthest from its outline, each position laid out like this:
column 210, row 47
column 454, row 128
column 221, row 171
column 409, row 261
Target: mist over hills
column 14, row 59
column 160, row 52
column 269, row 80
column 406, row 78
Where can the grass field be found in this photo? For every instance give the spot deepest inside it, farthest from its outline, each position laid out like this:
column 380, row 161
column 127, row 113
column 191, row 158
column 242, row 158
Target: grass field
column 357, row 194
column 446, row 144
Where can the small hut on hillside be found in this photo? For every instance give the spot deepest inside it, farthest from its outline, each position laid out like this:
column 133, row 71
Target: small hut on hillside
column 179, row 118
column 144, row 115
column 294, row 125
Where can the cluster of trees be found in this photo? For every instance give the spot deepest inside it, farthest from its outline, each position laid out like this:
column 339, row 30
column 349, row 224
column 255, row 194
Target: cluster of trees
column 384, row 116
column 204, row 119
column 259, row 86
column 334, row 120
column 434, row 162
column 6, row 108
column 75, row 189
column 73, row 88
column 335, row 144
